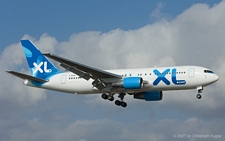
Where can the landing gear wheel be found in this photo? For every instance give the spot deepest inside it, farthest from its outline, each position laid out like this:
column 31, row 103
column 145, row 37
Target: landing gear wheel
column 105, row 96
column 117, row 102
column 110, row 98
column 120, row 102
column 198, row 96
column 123, row 104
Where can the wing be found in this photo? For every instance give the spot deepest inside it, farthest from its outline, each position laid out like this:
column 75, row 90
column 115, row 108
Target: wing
column 101, row 78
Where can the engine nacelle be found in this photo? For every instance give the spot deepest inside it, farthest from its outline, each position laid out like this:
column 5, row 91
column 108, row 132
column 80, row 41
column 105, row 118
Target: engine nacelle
column 130, row 83
column 149, row 96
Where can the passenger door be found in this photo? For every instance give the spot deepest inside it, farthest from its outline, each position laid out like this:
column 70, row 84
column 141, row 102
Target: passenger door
column 63, row 79
column 191, row 73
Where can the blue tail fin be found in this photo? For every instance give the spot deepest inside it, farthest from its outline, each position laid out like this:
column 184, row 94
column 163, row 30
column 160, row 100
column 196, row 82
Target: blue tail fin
column 40, row 66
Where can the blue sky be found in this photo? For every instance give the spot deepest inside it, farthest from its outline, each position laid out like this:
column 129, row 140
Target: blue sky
column 108, row 35
column 62, row 19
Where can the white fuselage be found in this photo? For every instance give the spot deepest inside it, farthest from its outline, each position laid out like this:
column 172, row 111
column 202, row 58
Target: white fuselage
column 159, row 79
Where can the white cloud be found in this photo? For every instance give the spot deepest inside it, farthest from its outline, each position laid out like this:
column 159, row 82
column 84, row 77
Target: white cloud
column 12, row 88
column 104, row 129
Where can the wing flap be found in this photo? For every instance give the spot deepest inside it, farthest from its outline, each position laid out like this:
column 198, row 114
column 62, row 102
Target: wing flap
column 24, row 76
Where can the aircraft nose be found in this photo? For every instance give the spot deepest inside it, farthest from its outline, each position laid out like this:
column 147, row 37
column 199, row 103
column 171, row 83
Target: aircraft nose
column 216, row 77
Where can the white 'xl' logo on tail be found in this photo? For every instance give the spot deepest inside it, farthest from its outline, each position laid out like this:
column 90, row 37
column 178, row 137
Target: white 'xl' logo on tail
column 38, row 67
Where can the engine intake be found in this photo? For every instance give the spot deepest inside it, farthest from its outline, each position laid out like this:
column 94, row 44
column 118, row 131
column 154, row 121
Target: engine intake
column 149, row 96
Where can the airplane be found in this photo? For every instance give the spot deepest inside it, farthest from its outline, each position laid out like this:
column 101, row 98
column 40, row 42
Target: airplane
column 142, row 83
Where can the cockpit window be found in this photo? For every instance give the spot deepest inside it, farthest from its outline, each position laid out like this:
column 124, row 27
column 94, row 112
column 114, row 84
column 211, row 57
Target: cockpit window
column 208, row 71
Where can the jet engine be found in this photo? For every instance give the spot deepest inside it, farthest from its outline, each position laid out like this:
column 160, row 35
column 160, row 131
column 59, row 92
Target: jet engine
column 149, row 96
column 130, row 83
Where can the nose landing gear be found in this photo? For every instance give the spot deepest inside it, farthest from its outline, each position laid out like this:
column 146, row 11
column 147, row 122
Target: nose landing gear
column 200, row 88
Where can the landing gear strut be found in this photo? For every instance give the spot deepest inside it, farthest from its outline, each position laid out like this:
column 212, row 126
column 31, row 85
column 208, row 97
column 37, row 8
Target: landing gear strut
column 199, row 91
column 121, row 102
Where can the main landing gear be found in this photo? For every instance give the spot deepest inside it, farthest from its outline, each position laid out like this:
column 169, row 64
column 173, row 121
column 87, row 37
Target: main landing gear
column 121, row 102
column 199, row 91
column 117, row 102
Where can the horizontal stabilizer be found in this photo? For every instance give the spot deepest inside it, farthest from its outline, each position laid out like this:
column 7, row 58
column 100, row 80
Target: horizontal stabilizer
column 24, row 76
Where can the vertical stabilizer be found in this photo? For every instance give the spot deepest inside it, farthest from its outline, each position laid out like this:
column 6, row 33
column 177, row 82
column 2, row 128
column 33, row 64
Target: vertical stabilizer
column 39, row 65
